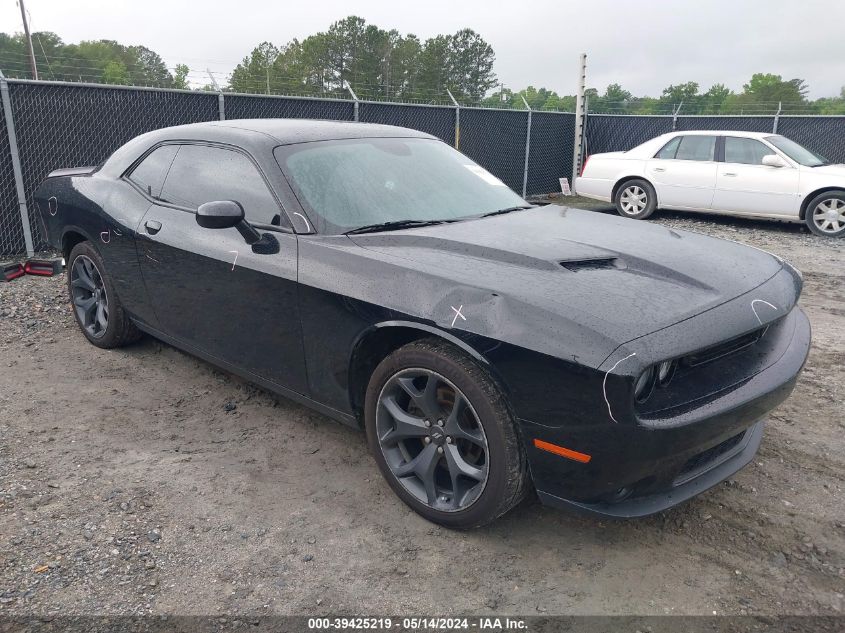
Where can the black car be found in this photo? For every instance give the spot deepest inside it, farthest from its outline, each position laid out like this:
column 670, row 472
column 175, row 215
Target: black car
column 486, row 345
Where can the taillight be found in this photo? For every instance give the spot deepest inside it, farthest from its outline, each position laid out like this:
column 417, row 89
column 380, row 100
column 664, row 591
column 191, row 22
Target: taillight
column 584, row 166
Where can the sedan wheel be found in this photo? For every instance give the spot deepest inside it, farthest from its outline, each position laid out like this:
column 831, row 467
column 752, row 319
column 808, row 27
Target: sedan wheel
column 89, row 296
column 635, row 199
column 432, row 440
column 829, row 216
column 826, row 214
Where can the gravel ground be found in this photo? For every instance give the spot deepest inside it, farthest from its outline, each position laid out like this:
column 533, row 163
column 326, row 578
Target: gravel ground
column 145, row 481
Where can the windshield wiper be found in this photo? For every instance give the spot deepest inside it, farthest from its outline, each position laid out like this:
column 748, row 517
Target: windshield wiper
column 395, row 225
column 507, row 210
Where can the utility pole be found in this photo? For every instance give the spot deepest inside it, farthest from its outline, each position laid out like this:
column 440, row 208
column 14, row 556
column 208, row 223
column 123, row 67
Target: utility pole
column 28, row 41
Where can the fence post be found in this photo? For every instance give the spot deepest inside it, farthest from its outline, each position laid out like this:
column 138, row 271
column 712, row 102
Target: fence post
column 16, row 165
column 355, row 105
column 675, row 116
column 527, row 148
column 221, row 106
column 457, row 119
column 579, row 119
column 777, row 117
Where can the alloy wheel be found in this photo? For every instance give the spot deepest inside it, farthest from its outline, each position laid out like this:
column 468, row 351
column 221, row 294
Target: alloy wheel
column 89, row 297
column 432, row 439
column 829, row 215
column 633, row 200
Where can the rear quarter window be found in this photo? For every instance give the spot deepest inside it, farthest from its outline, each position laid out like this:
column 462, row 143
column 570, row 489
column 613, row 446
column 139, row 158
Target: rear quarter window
column 149, row 174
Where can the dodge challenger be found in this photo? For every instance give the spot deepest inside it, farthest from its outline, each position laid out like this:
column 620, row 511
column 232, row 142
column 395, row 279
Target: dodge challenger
column 488, row 347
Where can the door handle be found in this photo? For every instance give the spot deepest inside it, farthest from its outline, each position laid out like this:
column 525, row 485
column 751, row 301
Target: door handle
column 729, row 173
column 152, row 226
column 658, row 169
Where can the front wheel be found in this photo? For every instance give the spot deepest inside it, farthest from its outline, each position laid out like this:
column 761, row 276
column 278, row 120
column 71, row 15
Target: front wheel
column 826, row 214
column 635, row 199
column 443, row 436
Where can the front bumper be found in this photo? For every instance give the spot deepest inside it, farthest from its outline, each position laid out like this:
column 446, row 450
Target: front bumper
column 682, row 489
column 637, row 469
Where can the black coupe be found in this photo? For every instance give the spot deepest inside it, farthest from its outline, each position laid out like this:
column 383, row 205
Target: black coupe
column 487, row 346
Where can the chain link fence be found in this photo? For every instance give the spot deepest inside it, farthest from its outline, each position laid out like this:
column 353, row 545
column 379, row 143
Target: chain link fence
column 612, row 133
column 74, row 124
column 11, row 227
column 823, row 134
column 270, row 107
column 438, row 121
column 619, row 133
column 71, row 125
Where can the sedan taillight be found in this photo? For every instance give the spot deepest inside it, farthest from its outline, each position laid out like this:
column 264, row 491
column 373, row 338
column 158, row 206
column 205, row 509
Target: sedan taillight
column 584, row 166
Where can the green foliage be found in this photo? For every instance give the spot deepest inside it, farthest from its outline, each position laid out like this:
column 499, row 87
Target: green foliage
column 376, row 63
column 180, row 76
column 385, row 64
column 103, row 61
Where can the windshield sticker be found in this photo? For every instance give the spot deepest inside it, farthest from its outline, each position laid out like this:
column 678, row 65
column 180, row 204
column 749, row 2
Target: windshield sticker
column 485, row 175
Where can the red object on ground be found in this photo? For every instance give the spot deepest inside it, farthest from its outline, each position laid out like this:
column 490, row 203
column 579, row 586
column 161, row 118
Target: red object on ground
column 10, row 270
column 43, row 267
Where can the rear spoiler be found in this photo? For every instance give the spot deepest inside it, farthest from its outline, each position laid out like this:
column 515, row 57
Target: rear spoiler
column 72, row 171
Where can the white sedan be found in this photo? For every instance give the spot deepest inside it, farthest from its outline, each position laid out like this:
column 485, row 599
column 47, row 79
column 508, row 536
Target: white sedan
column 736, row 173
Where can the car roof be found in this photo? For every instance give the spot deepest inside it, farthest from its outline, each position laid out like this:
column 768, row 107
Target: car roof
column 254, row 135
column 288, row 131
column 719, row 133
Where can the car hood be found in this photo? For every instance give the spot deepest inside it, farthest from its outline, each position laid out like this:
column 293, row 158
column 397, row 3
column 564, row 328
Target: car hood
column 837, row 171
column 552, row 266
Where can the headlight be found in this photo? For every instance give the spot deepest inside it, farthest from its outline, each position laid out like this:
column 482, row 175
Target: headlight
column 665, row 370
column 644, row 385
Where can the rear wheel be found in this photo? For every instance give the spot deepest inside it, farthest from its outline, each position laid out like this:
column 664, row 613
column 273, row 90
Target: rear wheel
column 635, row 199
column 826, row 214
column 95, row 305
column 443, row 436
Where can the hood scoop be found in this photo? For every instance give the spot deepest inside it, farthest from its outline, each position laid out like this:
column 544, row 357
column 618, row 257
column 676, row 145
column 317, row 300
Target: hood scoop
column 596, row 263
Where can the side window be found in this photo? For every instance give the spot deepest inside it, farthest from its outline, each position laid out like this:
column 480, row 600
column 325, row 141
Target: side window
column 203, row 174
column 669, row 149
column 747, row 151
column 149, row 174
column 695, row 147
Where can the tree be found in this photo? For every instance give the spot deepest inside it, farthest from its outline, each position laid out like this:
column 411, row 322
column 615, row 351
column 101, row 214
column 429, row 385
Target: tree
column 180, row 76
column 253, row 73
column 115, row 72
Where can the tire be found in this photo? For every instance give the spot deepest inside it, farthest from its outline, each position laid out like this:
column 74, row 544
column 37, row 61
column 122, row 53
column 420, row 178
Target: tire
column 635, row 199
column 825, row 214
column 481, row 437
column 103, row 322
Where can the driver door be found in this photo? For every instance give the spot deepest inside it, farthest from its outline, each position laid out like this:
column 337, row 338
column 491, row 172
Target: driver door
column 745, row 185
column 210, row 291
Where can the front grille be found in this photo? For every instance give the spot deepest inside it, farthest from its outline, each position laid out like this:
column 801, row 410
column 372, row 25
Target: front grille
column 699, row 463
column 723, row 349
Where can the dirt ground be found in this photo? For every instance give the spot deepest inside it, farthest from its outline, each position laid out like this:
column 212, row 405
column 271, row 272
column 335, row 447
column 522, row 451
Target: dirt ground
column 145, row 481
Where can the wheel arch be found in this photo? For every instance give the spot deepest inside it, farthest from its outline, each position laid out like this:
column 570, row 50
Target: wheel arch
column 805, row 203
column 380, row 340
column 72, row 236
column 621, row 181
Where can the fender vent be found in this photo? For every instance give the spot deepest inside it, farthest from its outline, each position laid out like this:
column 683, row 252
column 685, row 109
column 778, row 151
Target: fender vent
column 578, row 265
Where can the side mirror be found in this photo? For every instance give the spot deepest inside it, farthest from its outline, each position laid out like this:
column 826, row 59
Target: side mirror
column 220, row 214
column 773, row 160
column 226, row 214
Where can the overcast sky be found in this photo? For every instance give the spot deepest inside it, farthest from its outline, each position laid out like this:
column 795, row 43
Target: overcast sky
column 644, row 45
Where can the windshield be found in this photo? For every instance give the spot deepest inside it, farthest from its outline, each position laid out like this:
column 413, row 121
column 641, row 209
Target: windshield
column 796, row 152
column 349, row 184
